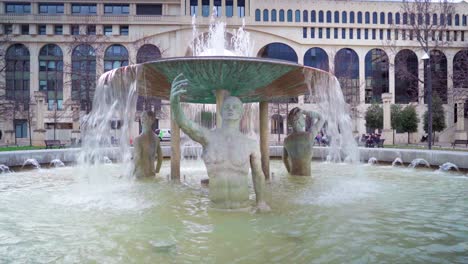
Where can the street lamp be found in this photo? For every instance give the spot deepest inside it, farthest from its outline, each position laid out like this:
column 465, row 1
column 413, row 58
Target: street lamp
column 426, row 59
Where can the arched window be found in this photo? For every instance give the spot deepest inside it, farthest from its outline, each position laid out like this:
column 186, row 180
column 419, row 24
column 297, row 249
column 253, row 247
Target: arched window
column 442, row 19
column 464, row 20
column 406, row 77
column 449, row 19
column 434, row 19
column 460, row 69
column 320, row 16
column 273, row 15
column 374, row 18
column 376, row 73
column 148, row 52
column 313, row 17
column 17, row 74
column 428, row 19
column 359, row 17
column 413, row 19
column 347, row 72
column 83, row 76
column 457, row 20
column 257, row 15
column 382, row 18
column 281, row 15
column 280, row 51
column 317, row 58
column 329, row 17
column 51, row 75
column 390, row 18
column 397, row 18
column 115, row 56
column 420, row 19
column 265, row 15
column 337, row 17
column 289, row 15
column 305, row 16
column 344, row 17
column 367, row 17
column 277, row 124
column 439, row 74
column 351, row 17
column 297, row 15
column 405, row 18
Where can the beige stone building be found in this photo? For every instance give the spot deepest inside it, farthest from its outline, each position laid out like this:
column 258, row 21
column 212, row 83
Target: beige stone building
column 53, row 50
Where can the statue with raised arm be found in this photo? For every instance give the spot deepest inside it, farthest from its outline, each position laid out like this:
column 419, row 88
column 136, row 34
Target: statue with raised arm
column 297, row 147
column 227, row 153
column 147, row 148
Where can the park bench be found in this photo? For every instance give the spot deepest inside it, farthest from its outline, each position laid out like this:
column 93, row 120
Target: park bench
column 53, row 143
column 460, row 141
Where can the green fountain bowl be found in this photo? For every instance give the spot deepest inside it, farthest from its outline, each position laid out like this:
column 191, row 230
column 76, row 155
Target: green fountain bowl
column 250, row 79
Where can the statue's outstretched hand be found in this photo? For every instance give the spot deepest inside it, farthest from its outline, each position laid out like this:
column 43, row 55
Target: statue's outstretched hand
column 178, row 87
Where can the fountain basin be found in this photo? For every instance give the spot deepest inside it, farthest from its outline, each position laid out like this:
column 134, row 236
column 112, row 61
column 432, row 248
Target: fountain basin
column 344, row 213
column 250, row 79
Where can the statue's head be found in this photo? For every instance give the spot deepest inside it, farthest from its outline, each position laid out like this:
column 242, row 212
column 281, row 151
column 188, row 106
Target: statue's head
column 147, row 118
column 232, row 108
column 296, row 119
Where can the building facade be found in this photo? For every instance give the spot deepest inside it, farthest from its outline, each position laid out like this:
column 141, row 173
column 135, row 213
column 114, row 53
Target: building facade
column 53, row 51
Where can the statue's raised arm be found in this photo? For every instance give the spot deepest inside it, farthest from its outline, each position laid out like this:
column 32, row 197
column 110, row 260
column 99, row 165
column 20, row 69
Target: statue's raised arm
column 193, row 130
column 318, row 120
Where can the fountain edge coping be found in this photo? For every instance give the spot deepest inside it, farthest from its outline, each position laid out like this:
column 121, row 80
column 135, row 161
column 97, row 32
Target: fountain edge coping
column 69, row 155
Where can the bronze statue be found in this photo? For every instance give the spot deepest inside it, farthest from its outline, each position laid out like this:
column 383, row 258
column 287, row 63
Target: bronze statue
column 147, row 148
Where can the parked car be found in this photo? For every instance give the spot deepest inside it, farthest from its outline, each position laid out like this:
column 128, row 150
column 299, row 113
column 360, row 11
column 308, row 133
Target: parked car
column 164, row 134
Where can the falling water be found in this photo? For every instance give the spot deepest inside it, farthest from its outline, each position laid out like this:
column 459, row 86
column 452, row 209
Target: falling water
column 32, row 162
column 4, row 169
column 448, row 166
column 417, row 162
column 111, row 119
column 56, row 163
column 396, row 162
column 329, row 102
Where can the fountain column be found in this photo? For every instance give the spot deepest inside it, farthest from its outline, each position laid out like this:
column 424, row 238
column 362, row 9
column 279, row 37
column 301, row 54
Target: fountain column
column 460, row 132
column 387, row 132
column 175, row 150
column 264, row 141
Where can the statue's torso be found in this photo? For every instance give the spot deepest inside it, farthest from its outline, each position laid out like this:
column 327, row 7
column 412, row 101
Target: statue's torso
column 299, row 148
column 144, row 163
column 227, row 159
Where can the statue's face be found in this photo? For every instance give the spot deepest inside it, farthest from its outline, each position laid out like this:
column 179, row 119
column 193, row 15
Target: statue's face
column 232, row 109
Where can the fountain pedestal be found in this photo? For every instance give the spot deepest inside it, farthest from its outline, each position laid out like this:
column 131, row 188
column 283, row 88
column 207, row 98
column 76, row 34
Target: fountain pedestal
column 387, row 132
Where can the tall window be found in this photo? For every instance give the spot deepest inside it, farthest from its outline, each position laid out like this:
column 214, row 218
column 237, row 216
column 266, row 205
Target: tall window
column 290, row 15
column 390, row 18
column 460, row 69
column 17, row 74
column 194, row 7
column 146, row 53
column 277, row 124
column 115, row 56
column 217, row 7
column 374, row 18
column 397, row 18
column 83, row 76
column 351, row 17
column 347, row 72
column 367, row 16
column 406, row 77
column 305, row 16
column 206, row 8
column 359, row 17
column 21, row 128
column 257, row 15
column 320, row 16
column 344, row 17
column 382, row 18
column 281, row 15
column 376, row 73
column 313, row 17
column 337, row 17
column 230, row 8
column 241, row 8
column 297, row 16
column 51, row 75
column 329, row 17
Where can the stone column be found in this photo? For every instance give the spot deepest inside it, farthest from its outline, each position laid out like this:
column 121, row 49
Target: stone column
column 39, row 131
column 391, row 77
column 234, row 6
column 211, row 7
column 223, row 7
column 421, row 66
column 450, row 91
column 460, row 132
column 387, row 125
column 175, row 150
column 76, row 133
column 264, row 141
column 199, row 8
column 67, row 81
column 187, row 7
column 362, row 78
